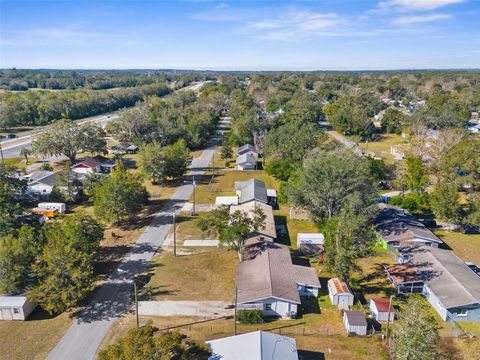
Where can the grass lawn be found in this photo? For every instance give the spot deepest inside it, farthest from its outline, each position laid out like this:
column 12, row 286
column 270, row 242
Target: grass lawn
column 223, row 184
column 208, row 275
column 34, row 338
column 382, row 146
column 311, row 334
column 466, row 247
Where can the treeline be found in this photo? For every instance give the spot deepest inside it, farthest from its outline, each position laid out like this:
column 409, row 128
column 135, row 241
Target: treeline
column 42, row 107
column 183, row 115
column 20, row 80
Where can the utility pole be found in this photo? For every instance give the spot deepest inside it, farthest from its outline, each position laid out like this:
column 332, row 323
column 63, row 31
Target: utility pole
column 174, row 233
column 194, row 186
column 389, row 311
column 136, row 302
column 235, row 314
column 1, row 152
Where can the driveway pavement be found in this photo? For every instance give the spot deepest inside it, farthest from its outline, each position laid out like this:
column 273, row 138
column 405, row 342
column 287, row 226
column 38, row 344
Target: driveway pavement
column 185, row 308
column 112, row 299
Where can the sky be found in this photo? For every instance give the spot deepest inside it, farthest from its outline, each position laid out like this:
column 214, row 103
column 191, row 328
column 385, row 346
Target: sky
column 241, row 35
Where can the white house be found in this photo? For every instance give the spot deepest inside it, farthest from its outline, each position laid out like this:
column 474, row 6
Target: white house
column 246, row 162
column 355, row 322
column 268, row 281
column 340, row 293
column 251, row 190
column 257, row 345
column 41, row 182
column 247, row 149
column 123, row 148
column 381, row 309
column 15, row 307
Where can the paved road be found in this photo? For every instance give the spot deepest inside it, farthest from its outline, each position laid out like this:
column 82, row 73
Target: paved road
column 349, row 144
column 185, row 308
column 12, row 147
column 112, row 299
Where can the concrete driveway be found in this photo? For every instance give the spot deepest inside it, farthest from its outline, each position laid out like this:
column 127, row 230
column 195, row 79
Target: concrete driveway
column 185, row 308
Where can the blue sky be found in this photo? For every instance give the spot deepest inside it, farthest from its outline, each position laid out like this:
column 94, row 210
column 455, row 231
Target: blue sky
column 250, row 35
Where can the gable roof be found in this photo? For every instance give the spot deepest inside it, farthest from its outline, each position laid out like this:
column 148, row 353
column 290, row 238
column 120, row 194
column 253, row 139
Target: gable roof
column 49, row 179
column 257, row 345
column 338, row 287
column 252, row 189
column 246, row 148
column 269, row 226
column 355, row 318
column 246, row 158
column 267, row 271
column 452, row 281
column 397, row 224
column 123, row 145
column 382, row 305
column 37, row 175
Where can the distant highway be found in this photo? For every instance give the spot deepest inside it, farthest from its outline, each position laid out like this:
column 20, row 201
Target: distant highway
column 11, row 148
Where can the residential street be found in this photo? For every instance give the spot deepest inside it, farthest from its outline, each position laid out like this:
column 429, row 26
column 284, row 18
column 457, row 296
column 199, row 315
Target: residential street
column 112, row 299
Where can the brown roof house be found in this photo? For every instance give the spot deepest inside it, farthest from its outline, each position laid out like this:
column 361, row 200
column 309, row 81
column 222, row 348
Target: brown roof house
column 267, row 280
column 397, row 228
column 267, row 232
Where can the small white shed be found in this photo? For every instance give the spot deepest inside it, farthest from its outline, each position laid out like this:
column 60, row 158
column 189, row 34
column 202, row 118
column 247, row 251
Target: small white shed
column 340, row 293
column 310, row 239
column 60, row 207
column 380, row 309
column 355, row 322
column 16, row 307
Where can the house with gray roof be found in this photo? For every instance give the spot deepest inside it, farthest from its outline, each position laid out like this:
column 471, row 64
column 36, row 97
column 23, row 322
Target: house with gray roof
column 397, row 228
column 450, row 285
column 246, row 162
column 257, row 345
column 267, row 280
column 41, row 183
column 251, row 190
column 265, row 233
column 247, row 149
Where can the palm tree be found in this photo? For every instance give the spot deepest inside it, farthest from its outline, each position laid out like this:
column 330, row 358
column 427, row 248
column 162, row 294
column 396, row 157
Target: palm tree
column 25, row 152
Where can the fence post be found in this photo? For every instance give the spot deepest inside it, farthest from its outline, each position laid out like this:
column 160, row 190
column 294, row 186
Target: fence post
column 303, row 332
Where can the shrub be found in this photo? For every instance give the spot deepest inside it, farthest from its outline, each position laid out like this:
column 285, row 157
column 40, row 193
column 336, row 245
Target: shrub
column 250, row 316
column 415, row 202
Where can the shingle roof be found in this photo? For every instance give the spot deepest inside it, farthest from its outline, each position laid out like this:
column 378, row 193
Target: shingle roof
column 267, row 271
column 246, row 148
column 269, row 226
column 396, row 224
column 246, row 158
column 452, row 281
column 356, row 318
column 252, row 189
column 403, row 273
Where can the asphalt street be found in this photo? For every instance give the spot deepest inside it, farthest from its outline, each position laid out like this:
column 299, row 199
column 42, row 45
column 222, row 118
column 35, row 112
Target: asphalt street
column 113, row 299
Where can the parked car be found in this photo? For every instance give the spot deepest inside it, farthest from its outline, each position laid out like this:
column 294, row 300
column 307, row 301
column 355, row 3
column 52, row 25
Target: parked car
column 430, row 223
column 11, row 136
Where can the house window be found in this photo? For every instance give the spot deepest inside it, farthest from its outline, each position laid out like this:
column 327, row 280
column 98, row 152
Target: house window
column 462, row 312
column 16, row 311
column 268, row 306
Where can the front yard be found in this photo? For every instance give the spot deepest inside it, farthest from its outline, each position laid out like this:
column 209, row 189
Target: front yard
column 466, row 247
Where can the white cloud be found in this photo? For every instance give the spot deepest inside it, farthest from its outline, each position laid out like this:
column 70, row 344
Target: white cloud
column 418, row 4
column 293, row 25
column 407, row 20
column 222, row 6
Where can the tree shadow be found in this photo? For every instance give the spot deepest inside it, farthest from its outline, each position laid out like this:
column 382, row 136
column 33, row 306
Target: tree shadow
column 310, row 306
column 283, row 237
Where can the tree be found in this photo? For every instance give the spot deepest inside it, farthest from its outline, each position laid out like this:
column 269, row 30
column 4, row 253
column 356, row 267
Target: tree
column 119, row 197
column 141, row 343
column 415, row 336
column 474, row 210
column 331, row 181
column 281, row 169
column 393, row 120
column 414, row 176
column 64, row 275
column 133, row 124
column 444, row 202
column 226, row 152
column 158, row 163
column 25, row 152
column 11, row 187
column 68, row 185
column 232, row 228
column 17, row 254
column 64, row 137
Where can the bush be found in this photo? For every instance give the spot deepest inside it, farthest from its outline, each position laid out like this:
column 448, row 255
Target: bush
column 281, row 169
column 46, row 167
column 250, row 316
column 415, row 202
